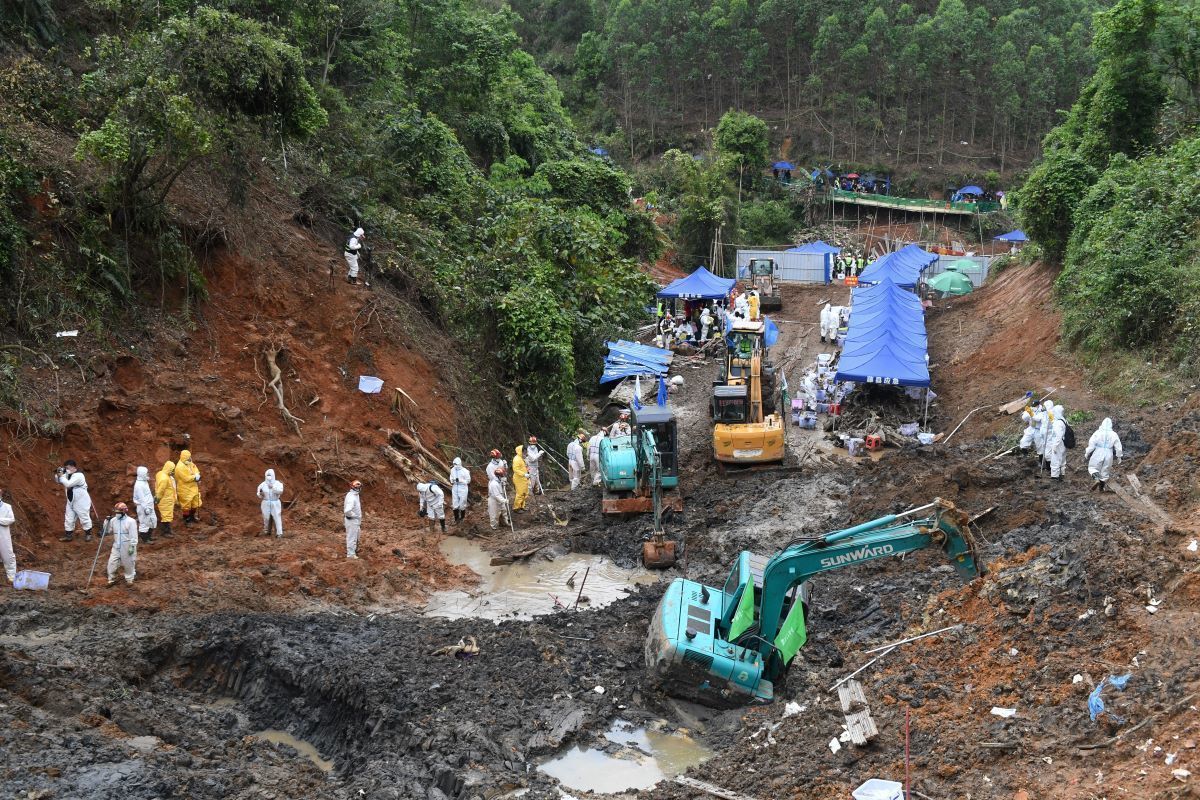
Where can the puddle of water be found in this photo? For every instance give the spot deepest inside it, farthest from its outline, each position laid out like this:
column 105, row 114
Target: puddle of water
column 528, row 588
column 647, row 757
column 299, row 745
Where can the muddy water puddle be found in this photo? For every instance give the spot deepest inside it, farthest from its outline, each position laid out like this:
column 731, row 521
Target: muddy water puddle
column 635, row 758
column 533, row 587
column 302, row 747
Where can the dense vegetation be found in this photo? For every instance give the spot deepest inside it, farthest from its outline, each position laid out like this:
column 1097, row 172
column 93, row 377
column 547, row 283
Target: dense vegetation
column 898, row 84
column 420, row 119
column 1117, row 197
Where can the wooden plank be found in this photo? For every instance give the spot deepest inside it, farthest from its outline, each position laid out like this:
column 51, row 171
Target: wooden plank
column 709, row 788
column 851, row 694
column 861, row 727
column 1020, row 402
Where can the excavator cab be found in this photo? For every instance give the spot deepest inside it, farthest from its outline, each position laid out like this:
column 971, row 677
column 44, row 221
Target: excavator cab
column 748, row 427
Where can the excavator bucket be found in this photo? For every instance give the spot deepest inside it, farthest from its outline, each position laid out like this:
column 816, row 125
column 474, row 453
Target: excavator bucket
column 658, row 554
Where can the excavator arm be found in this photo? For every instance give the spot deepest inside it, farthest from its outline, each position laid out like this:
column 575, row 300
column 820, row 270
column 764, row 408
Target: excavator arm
column 757, row 618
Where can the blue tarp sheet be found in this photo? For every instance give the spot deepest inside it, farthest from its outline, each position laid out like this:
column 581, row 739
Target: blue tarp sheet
column 782, row 165
column 886, row 342
column 700, row 285
column 971, row 189
column 1013, row 236
column 627, row 359
column 814, row 248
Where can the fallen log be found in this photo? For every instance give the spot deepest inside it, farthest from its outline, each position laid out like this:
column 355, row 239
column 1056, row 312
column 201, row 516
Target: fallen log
column 415, row 444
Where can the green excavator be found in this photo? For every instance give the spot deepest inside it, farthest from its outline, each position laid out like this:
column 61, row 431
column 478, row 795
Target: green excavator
column 729, row 646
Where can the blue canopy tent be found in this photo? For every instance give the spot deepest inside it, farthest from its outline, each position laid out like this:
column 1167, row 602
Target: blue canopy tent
column 700, row 285
column 972, row 189
column 884, row 361
column 782, row 165
column 598, row 151
column 903, row 267
column 818, row 248
column 1013, row 236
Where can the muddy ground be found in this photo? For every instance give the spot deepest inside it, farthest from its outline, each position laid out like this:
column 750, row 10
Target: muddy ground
column 111, row 696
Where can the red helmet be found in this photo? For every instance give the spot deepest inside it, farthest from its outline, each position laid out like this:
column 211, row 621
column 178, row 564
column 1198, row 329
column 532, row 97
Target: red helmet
column 121, row 507
column 494, row 454
column 533, row 440
column 624, row 413
column 355, row 484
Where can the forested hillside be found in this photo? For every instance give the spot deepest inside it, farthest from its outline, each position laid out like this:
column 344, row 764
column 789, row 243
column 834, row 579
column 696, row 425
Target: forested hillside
column 898, row 85
column 1116, row 198
column 139, row 136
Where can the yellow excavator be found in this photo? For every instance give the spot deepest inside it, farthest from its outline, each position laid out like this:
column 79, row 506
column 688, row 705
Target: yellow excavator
column 748, row 400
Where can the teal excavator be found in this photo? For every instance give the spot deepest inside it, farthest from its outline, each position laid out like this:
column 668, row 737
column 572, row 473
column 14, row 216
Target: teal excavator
column 729, row 646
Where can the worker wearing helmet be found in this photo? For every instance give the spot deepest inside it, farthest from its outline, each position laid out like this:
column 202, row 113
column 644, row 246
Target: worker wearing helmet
column 621, row 427
column 497, row 499
column 124, row 531
column 352, row 516
column 520, row 480
column 533, row 462
column 496, row 463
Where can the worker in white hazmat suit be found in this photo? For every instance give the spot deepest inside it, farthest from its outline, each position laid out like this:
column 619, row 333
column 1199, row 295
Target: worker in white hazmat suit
column 1102, row 448
column 143, row 503
column 498, row 499
column 1056, row 448
column 352, row 517
column 1039, row 441
column 496, row 463
column 269, row 492
column 827, row 323
column 7, row 518
column 594, row 456
column 79, row 502
column 460, row 481
column 435, row 506
column 354, row 247
column 575, row 458
column 124, row 532
column 706, row 323
column 741, row 306
column 621, row 427
column 533, row 463
column 422, row 499
column 1034, row 418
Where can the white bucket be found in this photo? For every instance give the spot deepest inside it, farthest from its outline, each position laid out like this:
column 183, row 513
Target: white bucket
column 31, row 579
column 877, row 789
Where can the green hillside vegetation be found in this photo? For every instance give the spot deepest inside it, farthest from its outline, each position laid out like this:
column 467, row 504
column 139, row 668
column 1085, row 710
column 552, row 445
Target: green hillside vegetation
column 1117, row 197
column 899, row 85
column 422, row 119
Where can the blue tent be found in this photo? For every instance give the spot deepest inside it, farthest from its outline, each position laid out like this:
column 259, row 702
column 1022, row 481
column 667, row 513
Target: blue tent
column 818, row 248
column 700, row 285
column 598, row 151
column 782, row 165
column 883, row 362
column 1013, row 236
column 903, row 267
column 972, row 189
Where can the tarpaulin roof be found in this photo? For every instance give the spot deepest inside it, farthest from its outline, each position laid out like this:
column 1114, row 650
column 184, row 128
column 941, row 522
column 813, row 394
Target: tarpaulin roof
column 782, row 165
column 886, row 342
column 1013, row 236
column 971, row 189
column 815, row 248
column 903, row 267
column 700, row 285
column 627, row 359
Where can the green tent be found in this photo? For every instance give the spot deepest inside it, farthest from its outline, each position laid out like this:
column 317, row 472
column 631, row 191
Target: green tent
column 951, row 282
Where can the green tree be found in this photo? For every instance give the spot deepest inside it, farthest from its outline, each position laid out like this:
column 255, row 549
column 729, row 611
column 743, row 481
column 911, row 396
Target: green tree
column 743, row 139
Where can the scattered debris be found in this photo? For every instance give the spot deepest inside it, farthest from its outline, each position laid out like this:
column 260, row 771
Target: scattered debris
column 1096, row 702
column 1004, row 712
column 466, row 648
column 860, row 728
column 715, row 791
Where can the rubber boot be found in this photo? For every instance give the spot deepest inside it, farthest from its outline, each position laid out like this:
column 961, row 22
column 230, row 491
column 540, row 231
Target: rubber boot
column 443, row 521
column 166, row 530
column 68, row 536
column 87, row 535
column 1103, row 486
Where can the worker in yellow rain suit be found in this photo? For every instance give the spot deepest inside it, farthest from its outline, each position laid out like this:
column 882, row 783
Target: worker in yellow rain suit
column 187, row 481
column 164, row 497
column 520, row 480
